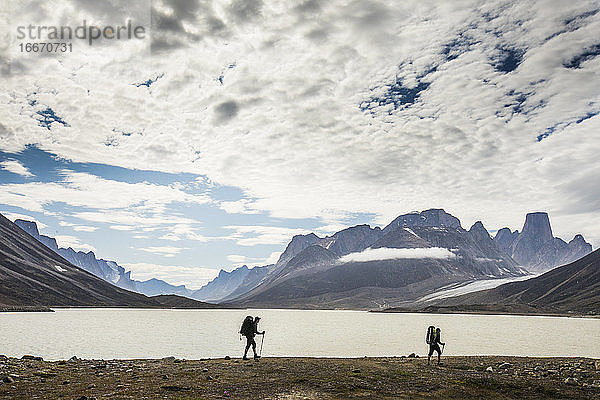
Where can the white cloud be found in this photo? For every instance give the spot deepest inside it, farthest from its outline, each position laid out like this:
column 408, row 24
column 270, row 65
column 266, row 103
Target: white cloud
column 385, row 253
column 67, row 241
column 272, row 259
column 252, row 235
column 292, row 135
column 238, row 260
column 122, row 227
column 14, row 216
column 191, row 277
column 16, row 168
column 166, row 251
column 84, row 228
column 131, row 205
column 179, row 232
column 242, row 206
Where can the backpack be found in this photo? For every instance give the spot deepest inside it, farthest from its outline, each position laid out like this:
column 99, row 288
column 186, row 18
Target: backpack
column 430, row 338
column 246, row 328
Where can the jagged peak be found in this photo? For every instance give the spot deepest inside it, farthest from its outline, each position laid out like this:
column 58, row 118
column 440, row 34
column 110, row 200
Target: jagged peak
column 355, row 227
column 305, row 236
column 477, row 225
column 430, row 217
column 27, row 225
column 478, row 230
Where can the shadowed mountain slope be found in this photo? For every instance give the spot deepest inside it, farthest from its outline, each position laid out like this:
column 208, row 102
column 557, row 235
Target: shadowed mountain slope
column 31, row 274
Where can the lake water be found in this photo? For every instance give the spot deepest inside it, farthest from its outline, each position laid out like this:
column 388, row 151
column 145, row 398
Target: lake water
column 193, row 334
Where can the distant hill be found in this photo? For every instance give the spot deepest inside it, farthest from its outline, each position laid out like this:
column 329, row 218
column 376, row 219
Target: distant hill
column 571, row 288
column 33, row 275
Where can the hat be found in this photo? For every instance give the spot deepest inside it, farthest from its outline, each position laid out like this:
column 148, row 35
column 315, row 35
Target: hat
column 256, row 318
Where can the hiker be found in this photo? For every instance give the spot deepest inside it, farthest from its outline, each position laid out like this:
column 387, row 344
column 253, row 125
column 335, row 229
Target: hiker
column 249, row 329
column 434, row 339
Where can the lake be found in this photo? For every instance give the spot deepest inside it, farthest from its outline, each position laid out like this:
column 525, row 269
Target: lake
column 193, row 334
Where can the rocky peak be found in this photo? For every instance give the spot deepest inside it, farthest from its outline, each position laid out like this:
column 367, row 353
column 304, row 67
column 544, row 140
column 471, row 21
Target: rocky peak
column 439, row 217
column 350, row 240
column 479, row 231
column 296, row 245
column 28, row 226
column 504, row 238
column 537, row 225
column 432, row 217
column 579, row 245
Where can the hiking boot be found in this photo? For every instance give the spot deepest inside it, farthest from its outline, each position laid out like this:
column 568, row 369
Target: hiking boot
column 256, row 358
column 245, row 358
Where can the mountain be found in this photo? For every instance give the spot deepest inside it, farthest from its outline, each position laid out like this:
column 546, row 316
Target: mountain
column 110, row 271
column 433, row 217
column 31, row 274
column 252, row 279
column 315, row 271
column 154, row 287
column 107, row 270
column 223, row 285
column 571, row 288
column 318, row 277
column 536, row 248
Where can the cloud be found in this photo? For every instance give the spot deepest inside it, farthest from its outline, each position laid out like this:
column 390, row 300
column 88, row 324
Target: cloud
column 130, row 204
column 84, row 228
column 238, row 260
column 249, row 235
column 192, row 277
column 14, row 216
column 179, row 232
column 16, row 168
column 67, row 241
column 243, row 206
column 122, row 227
column 226, row 111
column 339, row 107
column 385, row 253
column 166, row 251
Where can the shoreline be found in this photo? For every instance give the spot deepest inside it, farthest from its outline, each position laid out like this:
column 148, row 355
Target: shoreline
column 484, row 312
column 302, row 378
column 4, row 308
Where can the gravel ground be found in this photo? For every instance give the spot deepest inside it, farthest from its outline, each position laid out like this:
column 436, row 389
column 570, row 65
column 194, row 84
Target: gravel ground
column 302, row 378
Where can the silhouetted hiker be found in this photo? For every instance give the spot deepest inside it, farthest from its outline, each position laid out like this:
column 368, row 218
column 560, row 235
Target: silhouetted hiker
column 249, row 329
column 434, row 339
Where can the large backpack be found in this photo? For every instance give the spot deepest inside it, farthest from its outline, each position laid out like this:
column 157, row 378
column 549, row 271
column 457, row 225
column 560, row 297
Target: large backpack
column 246, row 328
column 430, row 335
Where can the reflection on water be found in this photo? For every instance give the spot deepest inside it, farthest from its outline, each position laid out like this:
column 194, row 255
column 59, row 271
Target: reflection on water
column 192, row 334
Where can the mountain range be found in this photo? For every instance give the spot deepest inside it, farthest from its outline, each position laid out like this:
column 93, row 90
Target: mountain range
column 363, row 267
column 31, row 274
column 571, row 288
column 109, row 271
column 536, row 248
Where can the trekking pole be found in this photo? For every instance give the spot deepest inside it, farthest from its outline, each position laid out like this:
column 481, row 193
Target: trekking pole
column 444, row 345
column 261, row 343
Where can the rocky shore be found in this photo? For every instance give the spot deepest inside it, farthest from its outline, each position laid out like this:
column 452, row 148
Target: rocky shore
column 301, row 378
column 5, row 308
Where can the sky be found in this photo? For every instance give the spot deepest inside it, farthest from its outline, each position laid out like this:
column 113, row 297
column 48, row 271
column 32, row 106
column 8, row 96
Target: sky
column 231, row 126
